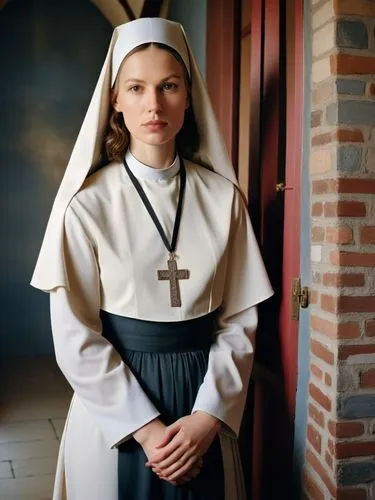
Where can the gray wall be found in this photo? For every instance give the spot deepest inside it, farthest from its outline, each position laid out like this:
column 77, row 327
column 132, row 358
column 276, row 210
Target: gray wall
column 192, row 14
column 52, row 55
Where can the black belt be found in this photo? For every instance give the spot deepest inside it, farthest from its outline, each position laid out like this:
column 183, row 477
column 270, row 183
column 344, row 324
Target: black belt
column 154, row 336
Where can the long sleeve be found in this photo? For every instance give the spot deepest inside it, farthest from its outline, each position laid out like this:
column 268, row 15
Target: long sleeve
column 96, row 372
column 223, row 391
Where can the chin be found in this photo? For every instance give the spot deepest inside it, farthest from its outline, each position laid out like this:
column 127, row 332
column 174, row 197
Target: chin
column 157, row 140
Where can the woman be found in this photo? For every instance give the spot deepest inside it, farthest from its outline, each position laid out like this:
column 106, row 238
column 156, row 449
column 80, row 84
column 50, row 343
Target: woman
column 154, row 275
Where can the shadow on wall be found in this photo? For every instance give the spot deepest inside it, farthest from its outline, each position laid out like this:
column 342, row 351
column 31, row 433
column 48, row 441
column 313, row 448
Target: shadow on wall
column 50, row 58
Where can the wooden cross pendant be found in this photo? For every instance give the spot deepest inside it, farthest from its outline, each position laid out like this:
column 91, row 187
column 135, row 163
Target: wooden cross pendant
column 173, row 275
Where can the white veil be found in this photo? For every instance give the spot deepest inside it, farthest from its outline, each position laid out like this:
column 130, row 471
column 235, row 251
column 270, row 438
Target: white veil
column 50, row 271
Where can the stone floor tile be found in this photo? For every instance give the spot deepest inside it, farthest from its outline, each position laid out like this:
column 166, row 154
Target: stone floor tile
column 30, row 449
column 36, row 430
column 5, row 470
column 58, row 425
column 34, row 466
column 27, row 488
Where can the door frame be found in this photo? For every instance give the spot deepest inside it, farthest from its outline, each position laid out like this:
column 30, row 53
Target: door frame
column 222, row 81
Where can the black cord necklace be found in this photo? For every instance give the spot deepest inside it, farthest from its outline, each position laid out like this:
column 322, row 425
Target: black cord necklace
column 172, row 274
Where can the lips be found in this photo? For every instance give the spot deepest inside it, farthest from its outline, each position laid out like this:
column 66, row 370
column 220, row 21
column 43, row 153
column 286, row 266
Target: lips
column 155, row 125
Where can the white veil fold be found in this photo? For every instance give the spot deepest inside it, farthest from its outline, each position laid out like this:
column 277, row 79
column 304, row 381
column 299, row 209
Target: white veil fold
column 49, row 271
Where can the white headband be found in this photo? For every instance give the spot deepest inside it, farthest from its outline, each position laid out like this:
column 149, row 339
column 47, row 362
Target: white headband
column 49, row 271
column 145, row 30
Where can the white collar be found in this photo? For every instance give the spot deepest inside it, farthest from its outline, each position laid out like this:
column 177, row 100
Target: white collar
column 142, row 171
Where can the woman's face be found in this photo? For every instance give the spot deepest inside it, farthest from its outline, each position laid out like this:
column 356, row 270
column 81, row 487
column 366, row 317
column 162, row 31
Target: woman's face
column 152, row 95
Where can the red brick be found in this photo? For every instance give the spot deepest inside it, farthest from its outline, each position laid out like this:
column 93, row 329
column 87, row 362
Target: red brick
column 345, row 209
column 367, row 379
column 348, row 330
column 316, row 118
column 346, row 185
column 321, row 398
column 325, row 186
column 345, row 351
column 328, row 303
column 328, row 379
column 347, row 64
column 350, row 449
column 321, row 351
column 345, row 429
column 316, row 415
column 321, row 471
column 323, row 326
column 368, row 234
column 322, row 139
column 315, row 370
column 342, row 135
column 332, row 427
column 314, row 438
column 370, row 328
column 345, row 135
column 358, row 186
column 317, row 234
column 329, row 460
column 341, row 279
column 358, row 8
column 311, row 487
column 351, row 494
column 341, row 235
column 351, row 259
column 317, row 209
column 359, row 304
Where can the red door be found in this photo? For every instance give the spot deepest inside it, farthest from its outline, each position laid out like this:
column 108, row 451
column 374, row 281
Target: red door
column 261, row 91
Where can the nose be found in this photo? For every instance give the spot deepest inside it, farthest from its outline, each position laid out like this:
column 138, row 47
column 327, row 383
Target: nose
column 154, row 101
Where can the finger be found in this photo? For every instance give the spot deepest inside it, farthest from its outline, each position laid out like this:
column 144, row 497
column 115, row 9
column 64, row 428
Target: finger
column 191, row 474
column 182, row 470
column 161, row 455
column 175, row 483
column 172, row 458
column 169, row 434
column 195, row 468
column 177, row 464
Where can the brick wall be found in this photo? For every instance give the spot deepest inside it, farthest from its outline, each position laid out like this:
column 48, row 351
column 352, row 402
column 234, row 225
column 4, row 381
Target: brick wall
column 340, row 452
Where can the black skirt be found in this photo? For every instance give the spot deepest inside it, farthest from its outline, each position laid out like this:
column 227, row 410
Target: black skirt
column 169, row 360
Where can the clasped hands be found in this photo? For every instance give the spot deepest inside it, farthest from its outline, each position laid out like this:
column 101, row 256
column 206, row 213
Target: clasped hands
column 175, row 452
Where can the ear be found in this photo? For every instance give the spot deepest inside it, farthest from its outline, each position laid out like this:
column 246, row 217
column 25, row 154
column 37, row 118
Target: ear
column 114, row 100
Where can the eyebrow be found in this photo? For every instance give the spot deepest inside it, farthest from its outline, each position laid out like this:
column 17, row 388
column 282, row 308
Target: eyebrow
column 137, row 80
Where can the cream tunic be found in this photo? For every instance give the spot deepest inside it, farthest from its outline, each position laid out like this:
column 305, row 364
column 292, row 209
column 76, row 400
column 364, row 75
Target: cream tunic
column 112, row 253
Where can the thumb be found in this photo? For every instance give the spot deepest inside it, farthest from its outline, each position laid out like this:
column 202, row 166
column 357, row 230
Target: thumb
column 168, row 435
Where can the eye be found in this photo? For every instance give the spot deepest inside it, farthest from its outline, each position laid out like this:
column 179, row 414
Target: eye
column 169, row 86
column 135, row 89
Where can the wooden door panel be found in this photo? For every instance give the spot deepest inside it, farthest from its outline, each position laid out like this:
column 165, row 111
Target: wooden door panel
column 269, row 118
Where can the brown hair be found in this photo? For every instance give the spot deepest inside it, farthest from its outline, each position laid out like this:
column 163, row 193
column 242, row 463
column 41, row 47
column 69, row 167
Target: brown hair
column 117, row 136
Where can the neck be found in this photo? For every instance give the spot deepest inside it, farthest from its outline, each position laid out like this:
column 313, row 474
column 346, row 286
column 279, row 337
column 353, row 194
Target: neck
column 159, row 157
